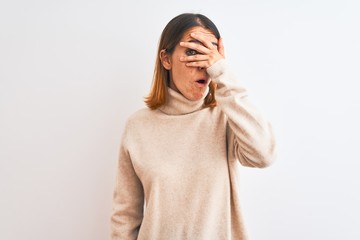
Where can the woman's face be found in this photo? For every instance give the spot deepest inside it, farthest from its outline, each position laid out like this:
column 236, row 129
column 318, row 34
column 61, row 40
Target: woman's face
column 191, row 82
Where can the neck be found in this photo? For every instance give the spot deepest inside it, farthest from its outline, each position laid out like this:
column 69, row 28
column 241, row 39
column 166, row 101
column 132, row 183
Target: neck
column 177, row 104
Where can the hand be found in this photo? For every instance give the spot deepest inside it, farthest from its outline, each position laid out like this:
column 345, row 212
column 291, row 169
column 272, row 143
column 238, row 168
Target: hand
column 208, row 53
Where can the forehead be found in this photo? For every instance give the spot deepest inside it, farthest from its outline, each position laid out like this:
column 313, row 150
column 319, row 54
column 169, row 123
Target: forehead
column 203, row 31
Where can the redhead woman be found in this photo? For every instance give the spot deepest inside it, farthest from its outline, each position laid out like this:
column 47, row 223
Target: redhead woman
column 177, row 175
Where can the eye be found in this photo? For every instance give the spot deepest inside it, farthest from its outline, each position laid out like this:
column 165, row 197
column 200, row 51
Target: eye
column 191, row 52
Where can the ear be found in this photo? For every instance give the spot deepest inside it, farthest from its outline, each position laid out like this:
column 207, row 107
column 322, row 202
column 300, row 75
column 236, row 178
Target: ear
column 165, row 59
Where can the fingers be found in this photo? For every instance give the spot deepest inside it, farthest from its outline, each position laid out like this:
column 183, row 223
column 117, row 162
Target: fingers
column 202, row 51
column 198, row 57
column 199, row 64
column 198, row 60
column 195, row 46
column 204, row 40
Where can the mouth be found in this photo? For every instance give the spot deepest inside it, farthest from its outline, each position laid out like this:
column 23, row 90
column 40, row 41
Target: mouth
column 202, row 82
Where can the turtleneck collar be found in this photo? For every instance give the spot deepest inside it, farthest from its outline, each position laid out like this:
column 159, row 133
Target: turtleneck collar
column 177, row 104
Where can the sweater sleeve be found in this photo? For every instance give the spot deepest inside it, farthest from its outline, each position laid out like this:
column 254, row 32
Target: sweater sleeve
column 128, row 199
column 250, row 137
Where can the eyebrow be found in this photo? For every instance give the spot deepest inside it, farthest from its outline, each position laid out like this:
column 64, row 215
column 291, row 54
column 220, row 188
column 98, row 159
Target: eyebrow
column 197, row 41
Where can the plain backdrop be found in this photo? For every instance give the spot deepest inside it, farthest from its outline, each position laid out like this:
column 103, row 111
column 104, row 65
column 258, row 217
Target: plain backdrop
column 72, row 71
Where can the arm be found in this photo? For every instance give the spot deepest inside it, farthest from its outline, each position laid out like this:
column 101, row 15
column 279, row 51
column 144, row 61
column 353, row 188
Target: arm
column 250, row 136
column 128, row 200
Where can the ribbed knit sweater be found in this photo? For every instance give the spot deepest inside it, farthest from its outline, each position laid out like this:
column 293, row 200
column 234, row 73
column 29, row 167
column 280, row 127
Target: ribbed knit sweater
column 177, row 175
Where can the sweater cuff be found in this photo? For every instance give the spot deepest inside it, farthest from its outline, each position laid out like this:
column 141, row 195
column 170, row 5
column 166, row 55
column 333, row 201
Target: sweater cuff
column 217, row 69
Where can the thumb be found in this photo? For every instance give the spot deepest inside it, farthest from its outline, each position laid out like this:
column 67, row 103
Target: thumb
column 221, row 47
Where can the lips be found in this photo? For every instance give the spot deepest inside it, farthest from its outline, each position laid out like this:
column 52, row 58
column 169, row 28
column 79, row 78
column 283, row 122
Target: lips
column 202, row 82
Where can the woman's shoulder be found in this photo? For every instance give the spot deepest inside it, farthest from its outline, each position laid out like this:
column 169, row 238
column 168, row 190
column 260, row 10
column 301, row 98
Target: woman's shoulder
column 140, row 116
column 135, row 120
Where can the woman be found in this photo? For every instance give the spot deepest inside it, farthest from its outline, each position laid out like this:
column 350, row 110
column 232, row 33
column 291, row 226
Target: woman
column 177, row 170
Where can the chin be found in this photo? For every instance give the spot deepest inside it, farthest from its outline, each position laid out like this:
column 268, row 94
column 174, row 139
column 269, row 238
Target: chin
column 196, row 97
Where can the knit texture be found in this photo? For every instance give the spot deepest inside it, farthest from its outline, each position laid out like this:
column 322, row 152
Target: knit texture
column 177, row 175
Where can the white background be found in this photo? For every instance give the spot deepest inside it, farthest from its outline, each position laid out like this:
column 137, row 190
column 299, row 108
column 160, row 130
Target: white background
column 72, row 71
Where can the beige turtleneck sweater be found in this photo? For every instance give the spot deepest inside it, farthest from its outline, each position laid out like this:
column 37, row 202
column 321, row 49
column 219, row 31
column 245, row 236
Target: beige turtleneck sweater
column 177, row 174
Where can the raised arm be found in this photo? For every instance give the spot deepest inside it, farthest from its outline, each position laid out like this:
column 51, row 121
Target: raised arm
column 250, row 135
